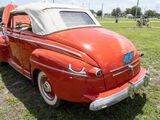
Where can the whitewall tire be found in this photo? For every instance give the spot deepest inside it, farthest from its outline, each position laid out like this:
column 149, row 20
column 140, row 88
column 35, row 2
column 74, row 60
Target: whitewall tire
column 46, row 90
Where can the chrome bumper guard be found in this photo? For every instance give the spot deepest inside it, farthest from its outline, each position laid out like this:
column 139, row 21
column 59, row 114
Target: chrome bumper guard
column 115, row 98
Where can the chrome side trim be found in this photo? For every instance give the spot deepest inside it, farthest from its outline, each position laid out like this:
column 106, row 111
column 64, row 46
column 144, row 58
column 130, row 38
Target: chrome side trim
column 5, row 45
column 63, row 71
column 115, row 98
column 124, row 70
column 20, row 71
column 120, row 72
column 124, row 66
column 81, row 72
column 42, row 43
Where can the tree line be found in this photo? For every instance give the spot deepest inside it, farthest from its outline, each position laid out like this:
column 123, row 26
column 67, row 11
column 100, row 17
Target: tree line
column 1, row 12
column 117, row 12
column 1, row 9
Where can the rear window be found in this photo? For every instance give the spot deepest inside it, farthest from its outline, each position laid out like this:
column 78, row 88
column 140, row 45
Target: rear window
column 73, row 19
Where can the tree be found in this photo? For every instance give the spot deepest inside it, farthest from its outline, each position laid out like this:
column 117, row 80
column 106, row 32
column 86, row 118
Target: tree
column 133, row 11
column 1, row 10
column 99, row 13
column 93, row 12
column 157, row 15
column 128, row 11
column 116, row 12
column 150, row 13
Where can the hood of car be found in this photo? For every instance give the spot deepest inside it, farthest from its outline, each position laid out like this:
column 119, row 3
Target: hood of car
column 104, row 46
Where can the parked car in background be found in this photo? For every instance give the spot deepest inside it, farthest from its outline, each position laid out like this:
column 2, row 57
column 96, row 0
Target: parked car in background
column 66, row 52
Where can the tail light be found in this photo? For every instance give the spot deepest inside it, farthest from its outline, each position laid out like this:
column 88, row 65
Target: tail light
column 141, row 54
column 95, row 72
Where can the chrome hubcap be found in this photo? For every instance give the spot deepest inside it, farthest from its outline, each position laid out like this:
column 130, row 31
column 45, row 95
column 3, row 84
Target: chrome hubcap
column 47, row 87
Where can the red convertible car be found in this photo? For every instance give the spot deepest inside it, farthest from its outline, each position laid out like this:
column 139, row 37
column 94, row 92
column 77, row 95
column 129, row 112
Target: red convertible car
column 66, row 52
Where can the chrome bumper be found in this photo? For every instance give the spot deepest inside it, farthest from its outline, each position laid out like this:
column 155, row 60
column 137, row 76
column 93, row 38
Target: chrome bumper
column 115, row 98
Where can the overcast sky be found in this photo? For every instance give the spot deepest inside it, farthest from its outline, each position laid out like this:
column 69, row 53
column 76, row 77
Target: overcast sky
column 96, row 4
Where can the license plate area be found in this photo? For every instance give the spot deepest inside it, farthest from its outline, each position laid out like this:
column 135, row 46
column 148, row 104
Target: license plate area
column 128, row 57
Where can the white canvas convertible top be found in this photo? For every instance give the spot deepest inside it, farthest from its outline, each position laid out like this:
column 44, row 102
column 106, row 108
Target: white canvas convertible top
column 39, row 6
column 45, row 17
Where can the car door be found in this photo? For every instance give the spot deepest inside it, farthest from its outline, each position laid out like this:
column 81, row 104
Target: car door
column 26, row 47
column 14, row 43
column 19, row 49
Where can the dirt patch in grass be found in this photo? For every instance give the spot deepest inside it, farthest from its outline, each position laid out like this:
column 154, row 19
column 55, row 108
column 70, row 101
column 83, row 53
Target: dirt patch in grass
column 155, row 81
column 158, row 106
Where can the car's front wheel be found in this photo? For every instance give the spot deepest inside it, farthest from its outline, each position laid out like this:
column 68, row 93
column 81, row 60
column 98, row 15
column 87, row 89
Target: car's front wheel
column 46, row 90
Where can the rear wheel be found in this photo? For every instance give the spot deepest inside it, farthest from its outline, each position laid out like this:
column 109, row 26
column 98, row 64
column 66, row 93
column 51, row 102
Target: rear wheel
column 46, row 90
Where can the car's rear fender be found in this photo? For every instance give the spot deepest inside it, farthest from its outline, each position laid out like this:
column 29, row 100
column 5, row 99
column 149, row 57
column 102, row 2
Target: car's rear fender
column 66, row 74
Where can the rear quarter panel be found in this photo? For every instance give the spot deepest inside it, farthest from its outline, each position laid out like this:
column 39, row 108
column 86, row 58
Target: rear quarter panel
column 66, row 86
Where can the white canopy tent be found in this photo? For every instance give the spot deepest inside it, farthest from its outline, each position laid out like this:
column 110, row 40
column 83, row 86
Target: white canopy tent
column 46, row 18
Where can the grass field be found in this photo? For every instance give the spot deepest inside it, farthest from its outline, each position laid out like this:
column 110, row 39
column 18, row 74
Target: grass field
column 20, row 100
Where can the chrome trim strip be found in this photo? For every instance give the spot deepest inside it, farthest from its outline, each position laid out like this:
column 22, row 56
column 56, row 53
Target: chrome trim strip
column 20, row 71
column 5, row 45
column 120, row 73
column 52, row 68
column 135, row 65
column 42, row 43
column 124, row 71
column 115, row 98
column 124, row 66
column 81, row 72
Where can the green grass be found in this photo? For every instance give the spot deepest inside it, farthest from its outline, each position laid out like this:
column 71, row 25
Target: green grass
column 11, row 100
column 20, row 100
column 123, row 19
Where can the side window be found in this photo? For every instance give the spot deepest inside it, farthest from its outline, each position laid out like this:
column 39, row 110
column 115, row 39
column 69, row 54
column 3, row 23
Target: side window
column 21, row 22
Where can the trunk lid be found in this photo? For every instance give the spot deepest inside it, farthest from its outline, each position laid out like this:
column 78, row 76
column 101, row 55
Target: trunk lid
column 106, row 48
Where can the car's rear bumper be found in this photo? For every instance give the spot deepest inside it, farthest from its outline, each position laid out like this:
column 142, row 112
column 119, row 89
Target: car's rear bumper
column 111, row 97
